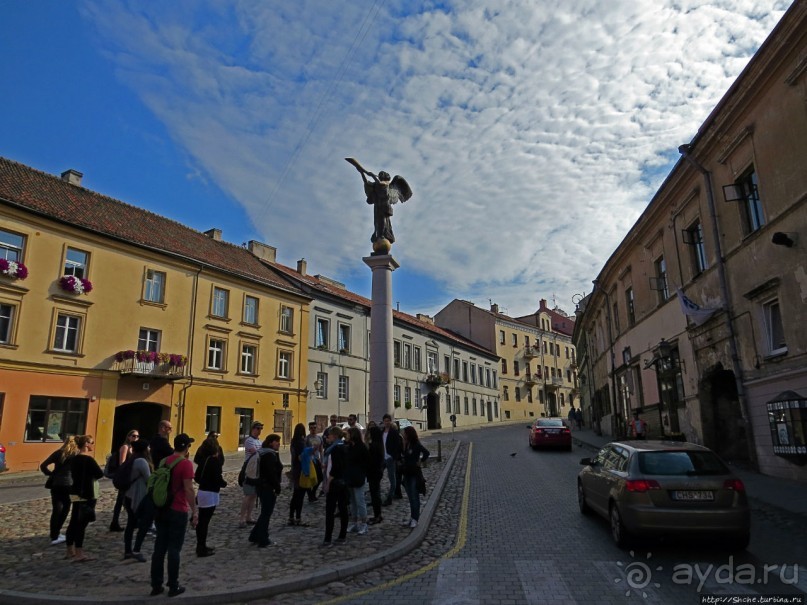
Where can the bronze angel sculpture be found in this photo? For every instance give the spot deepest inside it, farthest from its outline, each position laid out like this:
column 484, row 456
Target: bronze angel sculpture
column 382, row 192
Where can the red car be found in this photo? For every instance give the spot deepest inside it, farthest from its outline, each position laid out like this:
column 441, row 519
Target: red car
column 550, row 432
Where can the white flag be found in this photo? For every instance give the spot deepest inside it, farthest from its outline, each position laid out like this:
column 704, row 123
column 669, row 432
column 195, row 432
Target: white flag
column 693, row 311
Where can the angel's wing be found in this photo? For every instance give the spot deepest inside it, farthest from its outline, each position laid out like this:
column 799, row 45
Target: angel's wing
column 399, row 189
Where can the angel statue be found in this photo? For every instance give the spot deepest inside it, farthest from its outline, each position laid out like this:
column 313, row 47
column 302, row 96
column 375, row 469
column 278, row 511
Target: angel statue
column 382, row 193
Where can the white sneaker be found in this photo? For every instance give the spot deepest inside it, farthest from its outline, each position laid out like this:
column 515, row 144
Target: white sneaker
column 362, row 529
column 413, row 524
column 60, row 540
column 353, row 528
column 407, row 522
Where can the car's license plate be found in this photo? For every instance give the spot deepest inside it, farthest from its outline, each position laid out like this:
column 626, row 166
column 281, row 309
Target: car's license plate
column 552, row 431
column 690, row 495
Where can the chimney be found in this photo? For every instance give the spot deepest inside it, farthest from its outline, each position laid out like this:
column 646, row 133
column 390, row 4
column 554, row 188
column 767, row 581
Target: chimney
column 73, row 177
column 301, row 266
column 425, row 318
column 494, row 308
column 214, row 234
column 543, row 305
column 262, row 251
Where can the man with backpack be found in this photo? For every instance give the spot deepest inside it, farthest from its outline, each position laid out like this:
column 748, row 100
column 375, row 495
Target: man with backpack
column 172, row 514
column 267, row 485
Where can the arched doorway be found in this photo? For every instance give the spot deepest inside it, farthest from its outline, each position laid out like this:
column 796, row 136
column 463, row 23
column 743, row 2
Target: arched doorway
column 721, row 417
column 433, row 411
column 139, row 415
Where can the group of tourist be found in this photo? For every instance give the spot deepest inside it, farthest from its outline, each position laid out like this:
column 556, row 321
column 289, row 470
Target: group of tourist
column 341, row 464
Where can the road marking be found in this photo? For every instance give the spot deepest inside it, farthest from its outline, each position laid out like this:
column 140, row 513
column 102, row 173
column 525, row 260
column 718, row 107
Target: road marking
column 543, row 583
column 457, row 582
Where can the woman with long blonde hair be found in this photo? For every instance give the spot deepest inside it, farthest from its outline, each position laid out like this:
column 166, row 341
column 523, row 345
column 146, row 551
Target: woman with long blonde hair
column 59, row 482
column 84, row 494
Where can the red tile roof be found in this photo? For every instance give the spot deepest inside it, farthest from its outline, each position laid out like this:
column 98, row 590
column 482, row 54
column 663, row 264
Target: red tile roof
column 50, row 196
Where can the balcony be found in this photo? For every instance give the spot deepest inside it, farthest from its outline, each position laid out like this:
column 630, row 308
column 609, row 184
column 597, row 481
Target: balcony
column 530, row 380
column 531, row 352
column 149, row 364
column 553, row 384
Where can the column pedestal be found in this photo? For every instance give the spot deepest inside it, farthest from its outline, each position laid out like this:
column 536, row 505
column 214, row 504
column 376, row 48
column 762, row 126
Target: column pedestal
column 381, row 354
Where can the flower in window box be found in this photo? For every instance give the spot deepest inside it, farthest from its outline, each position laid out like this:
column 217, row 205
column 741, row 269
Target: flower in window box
column 408, row 405
column 75, row 285
column 13, row 269
column 147, row 356
column 434, row 380
column 123, row 355
column 177, row 361
column 397, row 404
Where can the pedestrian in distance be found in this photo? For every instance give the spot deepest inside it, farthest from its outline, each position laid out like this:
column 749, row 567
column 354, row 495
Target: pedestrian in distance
column 413, row 457
column 172, row 523
column 392, row 454
column 296, row 448
column 139, row 510
column 252, row 444
column 267, row 488
column 572, row 418
column 160, row 446
column 58, row 482
column 84, row 492
column 578, row 418
column 336, row 497
column 210, row 480
column 375, row 469
column 638, row 427
column 357, row 461
column 124, row 451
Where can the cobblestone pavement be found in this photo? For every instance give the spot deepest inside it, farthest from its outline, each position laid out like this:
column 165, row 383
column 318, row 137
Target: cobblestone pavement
column 31, row 565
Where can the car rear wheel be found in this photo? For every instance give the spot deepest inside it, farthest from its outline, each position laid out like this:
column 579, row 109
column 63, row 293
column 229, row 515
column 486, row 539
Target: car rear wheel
column 581, row 499
column 618, row 531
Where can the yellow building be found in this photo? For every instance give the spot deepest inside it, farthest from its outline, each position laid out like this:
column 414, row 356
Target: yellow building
column 112, row 318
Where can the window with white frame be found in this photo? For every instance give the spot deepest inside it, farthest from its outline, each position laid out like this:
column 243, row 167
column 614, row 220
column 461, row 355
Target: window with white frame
column 492, row 383
column 504, row 366
column 515, row 339
column 660, row 282
column 250, row 310
column 67, row 333
column 344, row 388
column 249, row 355
column 220, row 303
column 473, row 373
column 465, row 371
column 431, row 362
column 284, row 367
column 416, row 358
column 693, row 237
column 11, row 245
column 456, row 375
column 322, row 385
column 344, row 338
column 215, row 354
column 148, row 340
column 774, row 329
column 474, row 408
column 751, row 208
column 154, row 287
column 6, row 321
column 396, row 395
column 466, row 408
column 417, row 397
column 456, row 404
column 286, row 319
column 501, row 337
column 407, row 397
column 407, row 355
column 447, row 364
column 529, row 395
column 323, row 329
column 397, row 353
column 75, row 263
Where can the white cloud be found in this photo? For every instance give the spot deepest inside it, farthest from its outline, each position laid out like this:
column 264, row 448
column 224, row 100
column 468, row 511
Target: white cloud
column 527, row 131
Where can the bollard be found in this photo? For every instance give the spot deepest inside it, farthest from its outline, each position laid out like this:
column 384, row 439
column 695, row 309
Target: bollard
column 439, row 451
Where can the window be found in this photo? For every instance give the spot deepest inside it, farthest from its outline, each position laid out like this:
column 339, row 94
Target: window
column 407, row 397
column 527, row 341
column 431, row 362
column 323, row 333
column 501, row 337
column 448, row 404
column 250, row 310
column 693, row 237
column 344, row 338
column 75, row 263
column 456, row 375
column 473, row 406
column 6, row 321
column 249, row 354
column 220, row 302
column 504, row 366
column 446, row 364
column 516, row 368
column 54, row 418
column 155, row 286
column 465, row 371
column 494, row 383
column 506, row 393
column 417, row 397
column 416, row 365
column 473, row 373
column 284, row 364
column 515, row 340
column 11, row 245
column 322, row 385
column 148, row 340
column 615, row 314
column 529, row 395
column 396, row 353
column 344, row 388
column 751, row 205
column 286, row 319
column 774, row 330
column 407, row 355
column 396, row 395
column 215, row 354
column 518, row 393
column 630, row 307
column 213, row 419
column 67, row 333
column 465, row 406
column 544, row 347
column 456, row 404
column 661, row 279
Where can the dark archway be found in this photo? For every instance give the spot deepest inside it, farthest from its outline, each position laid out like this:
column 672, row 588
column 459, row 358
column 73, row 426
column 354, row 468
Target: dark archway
column 721, row 417
column 141, row 416
column 433, row 411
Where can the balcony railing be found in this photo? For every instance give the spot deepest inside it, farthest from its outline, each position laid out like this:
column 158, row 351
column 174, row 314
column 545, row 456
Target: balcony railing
column 531, row 352
column 554, row 382
column 155, row 369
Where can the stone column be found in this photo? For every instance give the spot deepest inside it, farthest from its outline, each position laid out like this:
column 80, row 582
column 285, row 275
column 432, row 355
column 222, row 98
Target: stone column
column 381, row 355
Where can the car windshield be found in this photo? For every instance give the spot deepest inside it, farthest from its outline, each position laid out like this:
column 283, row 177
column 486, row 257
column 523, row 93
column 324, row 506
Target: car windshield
column 681, row 463
column 550, row 422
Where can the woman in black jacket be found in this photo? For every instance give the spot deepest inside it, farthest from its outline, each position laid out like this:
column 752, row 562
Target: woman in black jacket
column 59, row 482
column 413, row 456
column 375, row 470
column 298, row 495
column 84, row 494
column 357, row 461
column 208, row 476
column 334, row 487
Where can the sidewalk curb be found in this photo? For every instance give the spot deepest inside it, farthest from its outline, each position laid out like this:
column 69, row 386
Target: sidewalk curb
column 270, row 589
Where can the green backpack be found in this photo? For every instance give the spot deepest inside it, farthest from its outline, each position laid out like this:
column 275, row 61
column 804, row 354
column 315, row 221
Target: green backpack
column 159, row 484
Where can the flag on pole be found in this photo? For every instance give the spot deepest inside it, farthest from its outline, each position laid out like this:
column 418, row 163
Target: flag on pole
column 693, row 311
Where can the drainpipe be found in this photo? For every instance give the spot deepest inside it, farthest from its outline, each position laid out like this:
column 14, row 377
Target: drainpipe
column 685, row 151
column 183, row 393
column 596, row 283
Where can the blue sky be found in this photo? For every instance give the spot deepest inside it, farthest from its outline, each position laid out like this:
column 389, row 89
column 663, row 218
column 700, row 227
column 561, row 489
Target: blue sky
column 533, row 133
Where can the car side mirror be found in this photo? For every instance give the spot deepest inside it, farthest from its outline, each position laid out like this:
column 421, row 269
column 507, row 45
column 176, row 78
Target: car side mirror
column 588, row 462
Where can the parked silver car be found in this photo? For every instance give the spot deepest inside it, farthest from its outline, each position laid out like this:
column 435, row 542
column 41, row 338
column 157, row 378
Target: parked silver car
column 658, row 487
